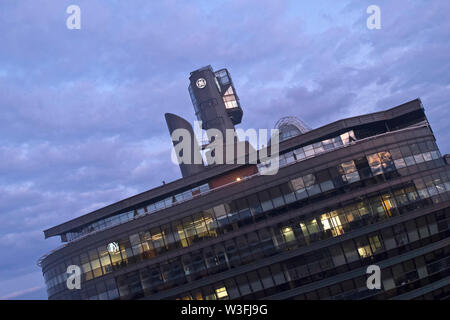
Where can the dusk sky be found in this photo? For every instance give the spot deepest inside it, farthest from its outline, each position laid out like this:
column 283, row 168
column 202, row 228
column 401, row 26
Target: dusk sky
column 82, row 111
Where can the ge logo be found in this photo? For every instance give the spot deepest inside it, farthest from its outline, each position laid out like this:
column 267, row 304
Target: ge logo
column 201, row 83
column 113, row 247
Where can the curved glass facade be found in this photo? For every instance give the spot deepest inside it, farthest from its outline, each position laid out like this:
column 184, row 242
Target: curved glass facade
column 302, row 190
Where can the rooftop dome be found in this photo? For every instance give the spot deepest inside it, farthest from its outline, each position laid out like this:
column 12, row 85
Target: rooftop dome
column 290, row 127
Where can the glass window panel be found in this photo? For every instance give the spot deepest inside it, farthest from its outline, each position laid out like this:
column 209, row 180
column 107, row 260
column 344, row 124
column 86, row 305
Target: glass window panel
column 396, row 154
column 309, row 180
column 244, row 287
column 337, row 142
column 318, row 148
column 255, row 205
column 288, row 192
column 266, row 202
column 435, row 155
column 375, row 164
column 254, row 281
column 386, row 161
column 276, row 196
column 350, row 251
column 418, row 158
column 299, row 154
column 309, row 150
column 399, row 163
column 221, row 214
column 414, row 148
column 427, row 156
column 288, row 234
column 410, row 161
column 298, row 183
column 266, row 278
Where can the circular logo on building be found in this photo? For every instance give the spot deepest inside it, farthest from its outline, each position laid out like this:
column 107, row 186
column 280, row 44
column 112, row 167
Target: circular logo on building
column 113, row 247
column 201, row 83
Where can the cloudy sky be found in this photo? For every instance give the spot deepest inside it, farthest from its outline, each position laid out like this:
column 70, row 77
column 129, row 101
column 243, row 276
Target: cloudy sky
column 82, row 111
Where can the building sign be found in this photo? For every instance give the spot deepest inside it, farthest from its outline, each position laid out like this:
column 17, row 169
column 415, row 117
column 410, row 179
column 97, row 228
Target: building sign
column 201, row 83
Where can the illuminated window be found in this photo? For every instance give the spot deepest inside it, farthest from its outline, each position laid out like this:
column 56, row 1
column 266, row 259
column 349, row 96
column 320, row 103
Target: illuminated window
column 375, row 163
column 388, row 204
column 288, row 234
column 363, row 248
column 222, row 293
column 375, row 243
column 364, row 252
column 325, row 223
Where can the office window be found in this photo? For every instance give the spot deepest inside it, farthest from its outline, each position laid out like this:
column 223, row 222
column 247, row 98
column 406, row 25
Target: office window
column 105, row 260
column 310, row 227
column 288, row 192
column 289, row 156
column 422, row 227
column 349, row 171
column 222, row 293
column 309, row 150
column 350, row 251
column 375, row 243
column 266, row 278
column 435, row 155
column 221, row 214
column 324, row 180
column 135, row 242
column 399, row 163
column 427, row 156
column 337, row 142
column 412, row 231
column 255, row 205
column 386, row 161
column 318, row 148
column 243, row 285
column 288, row 234
column 266, row 202
column 418, row 158
column 363, row 248
column 375, row 164
column 411, row 193
column 200, row 226
column 409, row 161
column 209, row 293
column 328, row 144
column 276, row 196
column 158, row 240
column 299, row 154
column 86, row 266
column 299, row 187
column 254, row 281
column 232, row 289
column 278, row 274
column 312, row 187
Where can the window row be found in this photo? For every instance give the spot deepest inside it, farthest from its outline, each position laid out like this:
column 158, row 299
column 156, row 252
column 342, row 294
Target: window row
column 133, row 214
column 314, row 149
